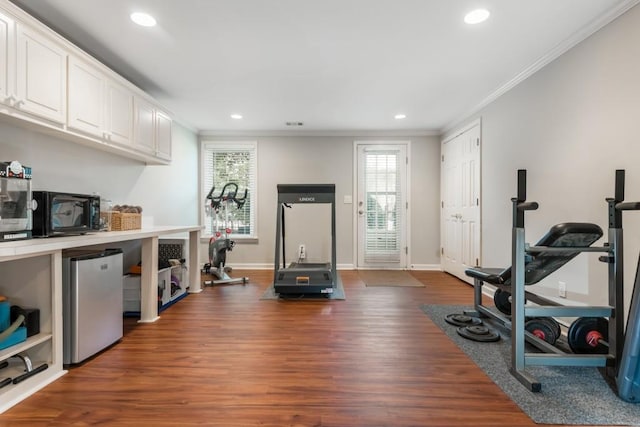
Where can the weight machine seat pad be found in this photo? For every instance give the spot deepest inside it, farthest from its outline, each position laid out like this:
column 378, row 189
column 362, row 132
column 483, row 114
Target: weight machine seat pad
column 541, row 264
column 488, row 275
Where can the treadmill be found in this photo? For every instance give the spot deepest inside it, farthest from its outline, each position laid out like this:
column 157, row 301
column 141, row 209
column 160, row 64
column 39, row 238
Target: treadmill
column 301, row 278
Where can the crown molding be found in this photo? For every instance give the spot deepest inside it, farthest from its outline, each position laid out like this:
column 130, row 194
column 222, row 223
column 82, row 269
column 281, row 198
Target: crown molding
column 349, row 133
column 561, row 48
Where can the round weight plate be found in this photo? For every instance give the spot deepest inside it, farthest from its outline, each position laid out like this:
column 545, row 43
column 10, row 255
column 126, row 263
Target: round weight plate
column 502, row 300
column 542, row 329
column 456, row 319
column 478, row 329
column 556, row 326
column 582, row 329
column 478, row 333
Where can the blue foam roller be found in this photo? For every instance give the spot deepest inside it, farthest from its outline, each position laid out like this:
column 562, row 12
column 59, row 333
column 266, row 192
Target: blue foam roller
column 16, row 337
column 5, row 315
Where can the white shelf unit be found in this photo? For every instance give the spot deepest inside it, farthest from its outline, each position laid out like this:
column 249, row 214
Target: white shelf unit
column 31, row 283
column 31, row 272
column 132, row 293
column 173, row 282
column 176, row 249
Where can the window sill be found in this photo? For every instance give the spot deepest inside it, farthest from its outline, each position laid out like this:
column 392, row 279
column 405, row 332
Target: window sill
column 238, row 240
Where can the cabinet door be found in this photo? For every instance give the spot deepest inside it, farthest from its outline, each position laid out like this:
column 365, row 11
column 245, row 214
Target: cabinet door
column 143, row 126
column 40, row 75
column 163, row 135
column 7, row 35
column 119, row 113
column 86, row 98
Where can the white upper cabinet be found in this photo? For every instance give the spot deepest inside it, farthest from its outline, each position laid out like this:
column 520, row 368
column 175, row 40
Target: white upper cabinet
column 118, row 113
column 7, row 76
column 86, row 98
column 41, row 75
column 47, row 82
column 97, row 104
column 151, row 129
column 163, row 135
column 144, row 126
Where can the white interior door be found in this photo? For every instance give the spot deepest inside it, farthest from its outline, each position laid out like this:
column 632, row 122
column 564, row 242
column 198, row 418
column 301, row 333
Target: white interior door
column 460, row 189
column 382, row 205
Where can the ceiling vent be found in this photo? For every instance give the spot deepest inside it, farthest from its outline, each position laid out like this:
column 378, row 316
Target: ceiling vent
column 294, row 124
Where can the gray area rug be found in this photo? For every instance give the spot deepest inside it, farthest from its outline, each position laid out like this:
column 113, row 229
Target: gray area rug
column 570, row 395
column 338, row 294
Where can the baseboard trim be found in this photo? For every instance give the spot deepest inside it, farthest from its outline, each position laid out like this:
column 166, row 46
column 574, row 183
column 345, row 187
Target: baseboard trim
column 425, row 267
column 265, row 266
column 252, row 266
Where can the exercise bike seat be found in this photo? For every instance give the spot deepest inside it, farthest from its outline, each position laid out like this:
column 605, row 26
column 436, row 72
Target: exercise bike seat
column 541, row 264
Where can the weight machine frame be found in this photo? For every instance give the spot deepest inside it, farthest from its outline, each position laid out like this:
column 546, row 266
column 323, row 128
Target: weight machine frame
column 551, row 355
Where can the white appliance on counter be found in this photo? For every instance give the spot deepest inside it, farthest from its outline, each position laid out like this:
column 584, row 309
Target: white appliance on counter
column 92, row 302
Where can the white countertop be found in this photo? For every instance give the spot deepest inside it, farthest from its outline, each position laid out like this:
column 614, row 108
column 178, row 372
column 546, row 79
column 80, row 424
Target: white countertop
column 36, row 246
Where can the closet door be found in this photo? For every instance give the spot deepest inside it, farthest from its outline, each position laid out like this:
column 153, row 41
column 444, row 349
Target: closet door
column 460, row 217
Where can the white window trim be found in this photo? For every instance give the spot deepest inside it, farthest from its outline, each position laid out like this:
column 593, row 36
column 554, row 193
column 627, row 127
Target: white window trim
column 231, row 146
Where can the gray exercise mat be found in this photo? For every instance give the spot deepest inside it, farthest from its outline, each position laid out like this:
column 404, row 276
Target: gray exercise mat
column 570, row 395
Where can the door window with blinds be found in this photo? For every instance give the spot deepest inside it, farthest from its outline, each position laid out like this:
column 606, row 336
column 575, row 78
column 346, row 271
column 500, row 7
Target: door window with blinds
column 382, row 222
column 224, row 163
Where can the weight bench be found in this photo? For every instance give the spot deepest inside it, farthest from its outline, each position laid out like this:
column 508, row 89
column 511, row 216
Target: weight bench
column 540, row 264
column 561, row 244
column 602, row 346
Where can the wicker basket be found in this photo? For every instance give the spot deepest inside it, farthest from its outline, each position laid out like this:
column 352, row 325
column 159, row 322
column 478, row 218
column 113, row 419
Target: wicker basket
column 125, row 221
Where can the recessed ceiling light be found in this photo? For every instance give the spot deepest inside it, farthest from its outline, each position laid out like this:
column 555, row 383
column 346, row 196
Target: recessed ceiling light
column 476, row 16
column 143, row 19
column 400, row 116
column 236, row 116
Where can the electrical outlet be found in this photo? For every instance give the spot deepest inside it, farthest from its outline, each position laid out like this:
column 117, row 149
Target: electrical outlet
column 302, row 252
column 562, row 289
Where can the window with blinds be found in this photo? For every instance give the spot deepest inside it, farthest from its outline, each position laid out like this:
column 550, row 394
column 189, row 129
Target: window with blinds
column 230, row 162
column 383, row 206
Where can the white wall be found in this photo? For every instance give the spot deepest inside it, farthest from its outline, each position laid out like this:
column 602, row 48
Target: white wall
column 170, row 193
column 329, row 160
column 166, row 193
column 571, row 125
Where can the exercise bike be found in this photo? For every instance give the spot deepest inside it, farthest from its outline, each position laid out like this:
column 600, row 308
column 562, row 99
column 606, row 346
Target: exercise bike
column 220, row 243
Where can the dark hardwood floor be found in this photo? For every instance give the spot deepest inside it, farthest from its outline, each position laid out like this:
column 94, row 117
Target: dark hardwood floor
column 226, row 358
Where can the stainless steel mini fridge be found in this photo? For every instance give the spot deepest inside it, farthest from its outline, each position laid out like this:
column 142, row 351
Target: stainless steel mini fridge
column 92, row 302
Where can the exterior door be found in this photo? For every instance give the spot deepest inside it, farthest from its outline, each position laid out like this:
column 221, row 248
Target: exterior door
column 460, row 219
column 382, row 205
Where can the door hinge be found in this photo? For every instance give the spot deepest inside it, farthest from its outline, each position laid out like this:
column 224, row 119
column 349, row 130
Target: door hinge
column 478, row 142
column 441, row 251
column 406, row 160
column 477, row 202
column 407, row 205
column 442, row 204
column 406, row 250
column 477, row 262
column 443, row 157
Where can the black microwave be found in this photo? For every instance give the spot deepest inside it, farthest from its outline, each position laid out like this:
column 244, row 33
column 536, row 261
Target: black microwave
column 60, row 214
